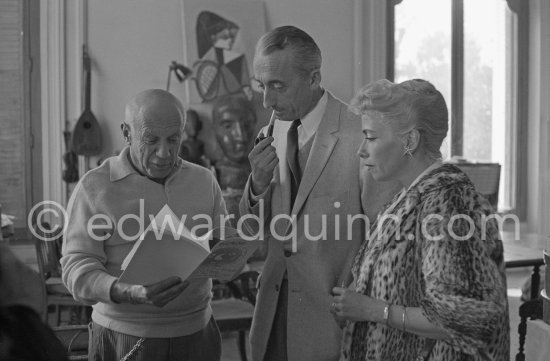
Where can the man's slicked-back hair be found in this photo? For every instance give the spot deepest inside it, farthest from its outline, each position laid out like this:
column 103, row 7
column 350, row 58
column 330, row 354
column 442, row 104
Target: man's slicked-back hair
column 307, row 54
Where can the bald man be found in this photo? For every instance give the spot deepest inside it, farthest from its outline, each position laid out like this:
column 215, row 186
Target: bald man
column 108, row 210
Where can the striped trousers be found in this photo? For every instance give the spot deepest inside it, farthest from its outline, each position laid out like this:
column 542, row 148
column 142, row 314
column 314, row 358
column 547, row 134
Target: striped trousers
column 109, row 345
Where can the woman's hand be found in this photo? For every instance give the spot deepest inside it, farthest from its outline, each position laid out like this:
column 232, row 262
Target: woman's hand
column 350, row 305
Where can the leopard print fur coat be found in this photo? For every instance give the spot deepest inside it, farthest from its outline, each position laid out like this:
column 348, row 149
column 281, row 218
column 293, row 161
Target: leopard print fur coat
column 433, row 259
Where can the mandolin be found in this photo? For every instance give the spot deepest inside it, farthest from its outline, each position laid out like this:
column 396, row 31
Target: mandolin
column 86, row 138
column 70, row 173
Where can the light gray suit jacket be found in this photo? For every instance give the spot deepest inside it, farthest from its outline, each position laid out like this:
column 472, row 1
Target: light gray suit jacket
column 331, row 191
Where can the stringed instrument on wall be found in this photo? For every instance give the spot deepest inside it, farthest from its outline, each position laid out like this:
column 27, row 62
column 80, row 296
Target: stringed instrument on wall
column 70, row 173
column 86, row 139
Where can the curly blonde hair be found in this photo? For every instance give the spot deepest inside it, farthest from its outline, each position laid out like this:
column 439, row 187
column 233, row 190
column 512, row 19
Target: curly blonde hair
column 412, row 104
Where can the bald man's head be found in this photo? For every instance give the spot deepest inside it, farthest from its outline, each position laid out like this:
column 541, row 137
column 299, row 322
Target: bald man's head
column 153, row 128
column 154, row 103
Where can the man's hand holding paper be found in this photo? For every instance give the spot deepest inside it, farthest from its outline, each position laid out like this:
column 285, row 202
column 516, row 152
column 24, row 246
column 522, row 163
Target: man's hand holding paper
column 158, row 294
column 167, row 248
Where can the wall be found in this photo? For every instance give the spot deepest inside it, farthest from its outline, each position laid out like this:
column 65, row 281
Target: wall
column 132, row 42
column 538, row 210
column 330, row 24
column 14, row 121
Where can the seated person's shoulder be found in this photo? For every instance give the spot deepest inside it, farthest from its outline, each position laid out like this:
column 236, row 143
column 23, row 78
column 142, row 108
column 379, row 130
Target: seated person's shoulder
column 20, row 284
column 25, row 337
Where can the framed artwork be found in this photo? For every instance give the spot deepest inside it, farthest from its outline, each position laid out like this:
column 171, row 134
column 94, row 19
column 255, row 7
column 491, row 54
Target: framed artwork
column 219, row 38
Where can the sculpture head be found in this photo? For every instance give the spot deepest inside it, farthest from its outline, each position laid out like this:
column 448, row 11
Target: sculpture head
column 233, row 119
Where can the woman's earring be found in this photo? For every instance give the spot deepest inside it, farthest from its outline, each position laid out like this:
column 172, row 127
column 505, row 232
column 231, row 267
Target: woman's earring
column 408, row 151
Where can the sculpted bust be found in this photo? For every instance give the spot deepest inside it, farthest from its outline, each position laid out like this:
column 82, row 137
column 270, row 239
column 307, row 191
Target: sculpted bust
column 233, row 119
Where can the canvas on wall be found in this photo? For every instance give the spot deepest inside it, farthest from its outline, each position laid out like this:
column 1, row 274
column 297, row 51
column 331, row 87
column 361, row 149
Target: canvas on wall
column 219, row 38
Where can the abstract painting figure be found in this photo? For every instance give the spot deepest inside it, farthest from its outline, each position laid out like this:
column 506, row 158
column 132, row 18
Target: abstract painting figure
column 220, row 70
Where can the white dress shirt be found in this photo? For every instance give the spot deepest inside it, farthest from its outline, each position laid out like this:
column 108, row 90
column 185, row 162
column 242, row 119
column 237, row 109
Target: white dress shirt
column 307, row 129
column 310, row 122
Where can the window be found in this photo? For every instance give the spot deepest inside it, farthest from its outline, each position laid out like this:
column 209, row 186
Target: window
column 468, row 50
column 19, row 169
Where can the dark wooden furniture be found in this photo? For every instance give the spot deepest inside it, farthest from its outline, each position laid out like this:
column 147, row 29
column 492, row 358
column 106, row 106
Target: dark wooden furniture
column 75, row 339
column 525, row 250
column 57, row 296
column 531, row 309
column 233, row 306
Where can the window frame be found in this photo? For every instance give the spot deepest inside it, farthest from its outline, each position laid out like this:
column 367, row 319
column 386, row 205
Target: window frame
column 517, row 188
column 29, row 186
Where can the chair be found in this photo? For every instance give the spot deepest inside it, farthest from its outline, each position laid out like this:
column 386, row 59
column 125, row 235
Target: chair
column 57, row 295
column 233, row 306
column 485, row 177
column 531, row 309
column 75, row 339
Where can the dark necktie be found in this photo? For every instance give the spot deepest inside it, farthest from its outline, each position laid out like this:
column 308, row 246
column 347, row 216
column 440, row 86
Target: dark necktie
column 292, row 159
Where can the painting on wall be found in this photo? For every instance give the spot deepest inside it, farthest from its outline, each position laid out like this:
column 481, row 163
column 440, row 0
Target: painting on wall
column 219, row 39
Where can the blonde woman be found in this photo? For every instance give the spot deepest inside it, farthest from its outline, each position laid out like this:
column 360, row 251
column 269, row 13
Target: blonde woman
column 429, row 283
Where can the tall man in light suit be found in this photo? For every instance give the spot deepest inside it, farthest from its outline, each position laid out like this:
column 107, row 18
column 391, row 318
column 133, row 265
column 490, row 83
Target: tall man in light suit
column 309, row 170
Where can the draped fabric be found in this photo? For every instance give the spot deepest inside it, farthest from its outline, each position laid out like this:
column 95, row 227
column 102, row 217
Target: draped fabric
column 419, row 259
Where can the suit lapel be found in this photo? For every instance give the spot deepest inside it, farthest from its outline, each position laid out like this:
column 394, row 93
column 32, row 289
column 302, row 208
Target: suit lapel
column 325, row 139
